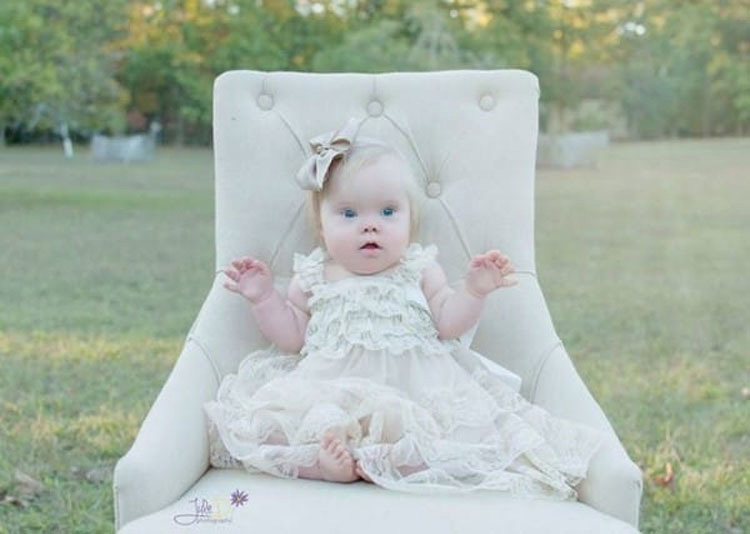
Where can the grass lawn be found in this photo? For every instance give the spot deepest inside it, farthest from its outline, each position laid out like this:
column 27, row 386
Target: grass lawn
column 643, row 260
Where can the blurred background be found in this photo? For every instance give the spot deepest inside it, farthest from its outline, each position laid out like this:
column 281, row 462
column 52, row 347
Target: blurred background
column 107, row 213
column 640, row 69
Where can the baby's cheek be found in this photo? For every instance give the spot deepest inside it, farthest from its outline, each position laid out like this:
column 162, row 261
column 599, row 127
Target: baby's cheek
column 336, row 235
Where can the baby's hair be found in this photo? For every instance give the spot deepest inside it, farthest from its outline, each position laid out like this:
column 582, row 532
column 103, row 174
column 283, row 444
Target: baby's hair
column 366, row 151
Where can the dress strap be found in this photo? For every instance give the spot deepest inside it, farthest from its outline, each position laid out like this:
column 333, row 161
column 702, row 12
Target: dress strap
column 310, row 268
column 418, row 257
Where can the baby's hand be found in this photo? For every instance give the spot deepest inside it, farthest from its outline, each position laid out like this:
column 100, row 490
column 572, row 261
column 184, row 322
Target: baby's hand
column 488, row 272
column 253, row 278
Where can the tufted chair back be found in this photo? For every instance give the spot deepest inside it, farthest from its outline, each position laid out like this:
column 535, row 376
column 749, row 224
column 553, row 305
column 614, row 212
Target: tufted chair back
column 471, row 139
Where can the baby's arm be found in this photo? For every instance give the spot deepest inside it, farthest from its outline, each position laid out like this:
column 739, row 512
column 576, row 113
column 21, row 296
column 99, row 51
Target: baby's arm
column 454, row 311
column 457, row 311
column 284, row 321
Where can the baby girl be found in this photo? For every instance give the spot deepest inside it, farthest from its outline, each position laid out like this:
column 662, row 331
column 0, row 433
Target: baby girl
column 365, row 378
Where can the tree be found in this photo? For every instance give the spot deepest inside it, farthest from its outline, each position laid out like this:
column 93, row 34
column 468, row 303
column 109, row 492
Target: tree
column 399, row 36
column 174, row 52
column 59, row 71
column 88, row 65
column 681, row 71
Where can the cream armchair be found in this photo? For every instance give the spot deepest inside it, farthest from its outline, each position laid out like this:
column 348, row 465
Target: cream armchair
column 471, row 137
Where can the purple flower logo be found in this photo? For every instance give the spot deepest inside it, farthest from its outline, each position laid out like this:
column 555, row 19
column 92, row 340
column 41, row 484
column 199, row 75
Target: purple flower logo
column 239, row 498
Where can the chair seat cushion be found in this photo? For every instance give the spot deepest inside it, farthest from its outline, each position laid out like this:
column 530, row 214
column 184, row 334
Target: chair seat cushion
column 264, row 504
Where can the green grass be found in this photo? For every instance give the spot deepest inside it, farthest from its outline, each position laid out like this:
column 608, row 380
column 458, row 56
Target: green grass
column 111, row 249
column 643, row 260
column 644, row 264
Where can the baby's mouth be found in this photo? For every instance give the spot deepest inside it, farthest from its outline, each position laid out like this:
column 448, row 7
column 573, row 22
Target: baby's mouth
column 371, row 245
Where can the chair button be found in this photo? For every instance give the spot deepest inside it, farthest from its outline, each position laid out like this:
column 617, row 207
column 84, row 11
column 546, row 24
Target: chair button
column 375, row 108
column 265, row 101
column 434, row 189
column 487, row 102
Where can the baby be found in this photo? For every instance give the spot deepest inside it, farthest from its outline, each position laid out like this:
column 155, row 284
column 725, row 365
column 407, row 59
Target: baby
column 365, row 209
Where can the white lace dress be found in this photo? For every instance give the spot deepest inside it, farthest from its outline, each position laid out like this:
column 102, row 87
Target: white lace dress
column 418, row 413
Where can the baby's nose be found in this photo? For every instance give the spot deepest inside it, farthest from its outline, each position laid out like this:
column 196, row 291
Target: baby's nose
column 370, row 227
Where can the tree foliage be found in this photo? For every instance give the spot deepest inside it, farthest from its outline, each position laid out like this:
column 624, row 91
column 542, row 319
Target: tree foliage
column 57, row 67
column 114, row 65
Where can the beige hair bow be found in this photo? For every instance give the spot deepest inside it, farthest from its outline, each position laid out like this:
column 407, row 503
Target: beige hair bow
column 326, row 148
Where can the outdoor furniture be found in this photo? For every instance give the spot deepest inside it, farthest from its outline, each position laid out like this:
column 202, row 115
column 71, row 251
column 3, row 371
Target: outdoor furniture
column 472, row 137
column 126, row 148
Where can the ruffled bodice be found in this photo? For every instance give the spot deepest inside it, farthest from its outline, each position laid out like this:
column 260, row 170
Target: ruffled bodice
column 385, row 311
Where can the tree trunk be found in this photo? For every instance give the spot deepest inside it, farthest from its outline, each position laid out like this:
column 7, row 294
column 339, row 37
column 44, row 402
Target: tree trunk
column 180, row 130
column 706, row 127
column 67, row 143
column 556, row 118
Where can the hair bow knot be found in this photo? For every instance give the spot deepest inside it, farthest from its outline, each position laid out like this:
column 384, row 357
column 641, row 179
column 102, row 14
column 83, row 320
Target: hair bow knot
column 326, row 148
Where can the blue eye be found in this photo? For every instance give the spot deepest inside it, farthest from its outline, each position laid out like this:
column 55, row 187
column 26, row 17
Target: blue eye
column 387, row 211
column 349, row 213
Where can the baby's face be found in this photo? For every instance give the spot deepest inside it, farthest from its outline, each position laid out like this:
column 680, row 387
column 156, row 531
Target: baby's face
column 365, row 217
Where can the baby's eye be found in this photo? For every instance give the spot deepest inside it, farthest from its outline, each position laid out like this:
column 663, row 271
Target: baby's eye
column 387, row 211
column 349, row 213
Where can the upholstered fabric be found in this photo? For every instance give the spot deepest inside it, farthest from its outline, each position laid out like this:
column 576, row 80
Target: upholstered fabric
column 471, row 138
column 274, row 506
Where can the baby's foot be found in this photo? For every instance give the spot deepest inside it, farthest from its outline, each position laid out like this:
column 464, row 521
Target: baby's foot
column 335, row 461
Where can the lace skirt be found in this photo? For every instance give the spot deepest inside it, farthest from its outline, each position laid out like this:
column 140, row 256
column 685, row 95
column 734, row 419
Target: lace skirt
column 416, row 422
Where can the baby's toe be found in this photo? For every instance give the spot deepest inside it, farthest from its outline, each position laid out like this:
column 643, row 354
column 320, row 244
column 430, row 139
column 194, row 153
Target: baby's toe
column 328, row 438
column 342, row 452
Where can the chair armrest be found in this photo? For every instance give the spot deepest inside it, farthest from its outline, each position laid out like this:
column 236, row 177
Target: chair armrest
column 614, row 483
column 170, row 452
